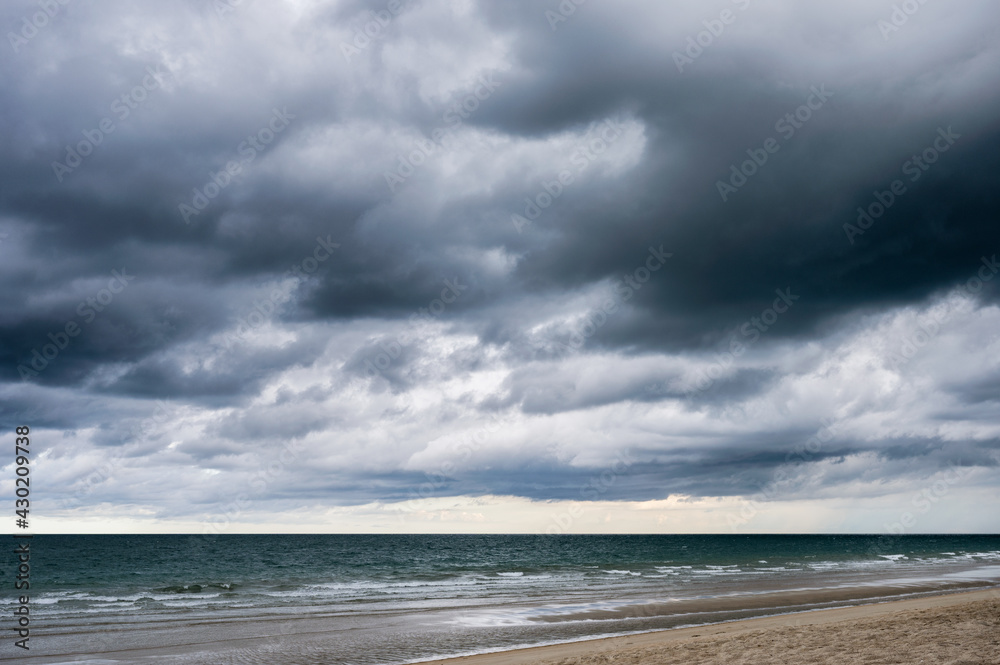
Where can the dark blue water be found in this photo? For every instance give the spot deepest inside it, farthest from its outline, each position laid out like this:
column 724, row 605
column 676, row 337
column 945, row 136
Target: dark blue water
column 396, row 598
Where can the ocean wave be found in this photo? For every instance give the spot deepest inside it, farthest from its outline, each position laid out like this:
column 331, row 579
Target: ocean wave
column 196, row 588
column 719, row 570
column 53, row 597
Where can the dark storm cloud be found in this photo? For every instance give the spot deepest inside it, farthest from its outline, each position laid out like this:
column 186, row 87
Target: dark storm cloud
column 985, row 390
column 386, row 359
column 766, row 242
column 292, row 202
column 638, row 475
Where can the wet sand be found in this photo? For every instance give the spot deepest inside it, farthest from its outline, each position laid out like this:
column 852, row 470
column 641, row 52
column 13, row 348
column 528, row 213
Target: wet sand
column 955, row 629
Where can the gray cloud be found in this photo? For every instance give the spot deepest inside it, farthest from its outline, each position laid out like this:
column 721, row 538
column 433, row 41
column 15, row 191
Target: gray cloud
column 295, row 202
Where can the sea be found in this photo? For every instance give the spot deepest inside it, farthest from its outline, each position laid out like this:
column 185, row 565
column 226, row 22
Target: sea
column 374, row 599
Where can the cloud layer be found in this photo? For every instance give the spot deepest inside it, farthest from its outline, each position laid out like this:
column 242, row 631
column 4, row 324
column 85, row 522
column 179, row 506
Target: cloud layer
column 375, row 256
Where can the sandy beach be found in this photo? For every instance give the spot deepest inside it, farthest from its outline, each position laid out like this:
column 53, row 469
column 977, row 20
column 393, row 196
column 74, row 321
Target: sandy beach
column 956, row 629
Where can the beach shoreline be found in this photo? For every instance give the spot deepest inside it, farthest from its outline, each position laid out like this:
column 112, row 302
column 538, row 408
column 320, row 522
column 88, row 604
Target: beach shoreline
column 349, row 600
column 788, row 633
column 950, row 628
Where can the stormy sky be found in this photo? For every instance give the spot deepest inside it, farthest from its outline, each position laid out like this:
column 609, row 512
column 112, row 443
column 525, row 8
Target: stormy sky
column 521, row 266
